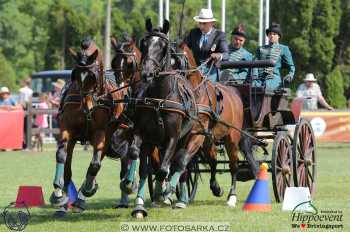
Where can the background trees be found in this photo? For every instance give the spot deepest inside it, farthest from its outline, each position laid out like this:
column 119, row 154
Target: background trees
column 35, row 34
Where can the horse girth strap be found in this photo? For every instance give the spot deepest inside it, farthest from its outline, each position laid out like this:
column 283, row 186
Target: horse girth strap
column 155, row 104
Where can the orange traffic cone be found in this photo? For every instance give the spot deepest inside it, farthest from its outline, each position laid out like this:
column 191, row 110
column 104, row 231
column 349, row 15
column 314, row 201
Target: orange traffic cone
column 259, row 196
column 31, row 196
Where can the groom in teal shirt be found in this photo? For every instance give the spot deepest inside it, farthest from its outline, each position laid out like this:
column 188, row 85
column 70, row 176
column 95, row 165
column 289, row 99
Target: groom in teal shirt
column 280, row 55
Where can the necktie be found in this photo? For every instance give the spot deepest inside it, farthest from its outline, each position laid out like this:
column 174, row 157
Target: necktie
column 204, row 40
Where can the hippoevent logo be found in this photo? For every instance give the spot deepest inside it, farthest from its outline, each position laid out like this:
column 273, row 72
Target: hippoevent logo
column 16, row 219
column 307, row 216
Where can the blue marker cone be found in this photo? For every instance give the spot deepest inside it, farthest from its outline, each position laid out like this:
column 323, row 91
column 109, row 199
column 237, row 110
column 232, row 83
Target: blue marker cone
column 72, row 194
column 259, row 196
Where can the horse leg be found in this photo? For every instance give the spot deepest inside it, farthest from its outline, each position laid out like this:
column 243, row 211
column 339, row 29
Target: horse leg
column 163, row 171
column 59, row 198
column 127, row 184
column 184, row 157
column 232, row 152
column 127, row 177
column 214, row 185
column 245, row 146
column 90, row 186
column 139, row 211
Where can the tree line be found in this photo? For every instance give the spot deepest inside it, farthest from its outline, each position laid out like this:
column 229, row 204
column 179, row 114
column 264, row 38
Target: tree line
column 36, row 34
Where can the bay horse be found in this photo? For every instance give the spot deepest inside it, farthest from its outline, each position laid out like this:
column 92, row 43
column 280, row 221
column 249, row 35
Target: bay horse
column 86, row 115
column 222, row 106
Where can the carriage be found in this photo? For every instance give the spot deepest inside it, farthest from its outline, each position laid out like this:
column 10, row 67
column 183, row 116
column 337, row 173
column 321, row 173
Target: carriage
column 269, row 117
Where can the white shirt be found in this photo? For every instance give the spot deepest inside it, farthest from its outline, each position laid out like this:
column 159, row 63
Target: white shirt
column 25, row 93
column 203, row 36
column 310, row 95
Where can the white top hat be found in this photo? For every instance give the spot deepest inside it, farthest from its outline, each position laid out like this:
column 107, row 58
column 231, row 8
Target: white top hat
column 310, row 77
column 4, row 90
column 205, row 15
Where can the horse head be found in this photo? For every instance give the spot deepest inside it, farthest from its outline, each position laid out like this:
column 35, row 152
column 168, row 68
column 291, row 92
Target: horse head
column 125, row 64
column 88, row 71
column 155, row 49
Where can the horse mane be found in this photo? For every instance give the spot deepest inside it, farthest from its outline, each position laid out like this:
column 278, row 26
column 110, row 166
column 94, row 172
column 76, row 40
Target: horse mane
column 194, row 77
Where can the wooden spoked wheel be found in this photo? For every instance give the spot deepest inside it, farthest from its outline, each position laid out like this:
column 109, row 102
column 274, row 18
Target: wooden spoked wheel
column 281, row 165
column 304, row 156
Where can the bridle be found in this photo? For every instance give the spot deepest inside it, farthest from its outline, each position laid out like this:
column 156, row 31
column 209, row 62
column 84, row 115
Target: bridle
column 120, row 72
column 164, row 63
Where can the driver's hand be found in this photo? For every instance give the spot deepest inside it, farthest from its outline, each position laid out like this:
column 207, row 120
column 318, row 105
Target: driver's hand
column 216, row 56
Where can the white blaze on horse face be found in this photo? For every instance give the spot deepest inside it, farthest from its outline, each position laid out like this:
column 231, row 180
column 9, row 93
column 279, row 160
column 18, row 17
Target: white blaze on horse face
column 83, row 75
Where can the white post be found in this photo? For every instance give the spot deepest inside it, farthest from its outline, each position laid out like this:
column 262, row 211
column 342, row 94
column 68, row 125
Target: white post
column 261, row 19
column 160, row 13
column 167, row 9
column 223, row 15
column 209, row 4
column 107, row 61
column 267, row 18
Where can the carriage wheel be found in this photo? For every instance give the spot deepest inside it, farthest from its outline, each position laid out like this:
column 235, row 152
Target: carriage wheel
column 192, row 180
column 281, row 165
column 304, row 156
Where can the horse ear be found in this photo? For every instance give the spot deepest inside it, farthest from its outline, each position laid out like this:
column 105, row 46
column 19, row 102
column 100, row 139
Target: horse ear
column 148, row 25
column 73, row 54
column 166, row 26
column 93, row 57
column 133, row 39
column 114, row 41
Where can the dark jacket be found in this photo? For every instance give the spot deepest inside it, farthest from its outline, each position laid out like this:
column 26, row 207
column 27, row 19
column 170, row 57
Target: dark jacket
column 215, row 37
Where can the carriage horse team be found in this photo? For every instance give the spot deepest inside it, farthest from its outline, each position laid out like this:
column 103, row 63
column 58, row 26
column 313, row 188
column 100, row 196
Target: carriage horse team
column 164, row 104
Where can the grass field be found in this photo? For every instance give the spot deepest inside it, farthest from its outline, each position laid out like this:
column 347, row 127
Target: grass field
column 32, row 168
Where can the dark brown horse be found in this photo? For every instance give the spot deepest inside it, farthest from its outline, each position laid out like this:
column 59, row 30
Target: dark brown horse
column 86, row 116
column 126, row 67
column 165, row 107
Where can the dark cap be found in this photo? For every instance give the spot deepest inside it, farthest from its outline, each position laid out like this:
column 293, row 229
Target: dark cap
column 275, row 27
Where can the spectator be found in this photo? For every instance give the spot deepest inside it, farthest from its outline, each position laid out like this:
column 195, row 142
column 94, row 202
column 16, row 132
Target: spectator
column 56, row 96
column 25, row 97
column 6, row 101
column 25, row 93
column 311, row 93
column 55, row 99
column 41, row 121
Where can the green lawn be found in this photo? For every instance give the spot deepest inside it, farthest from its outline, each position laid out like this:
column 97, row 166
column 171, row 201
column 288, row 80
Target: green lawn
column 32, row 168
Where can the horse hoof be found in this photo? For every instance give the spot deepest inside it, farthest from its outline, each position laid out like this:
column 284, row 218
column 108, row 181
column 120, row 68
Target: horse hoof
column 91, row 192
column 155, row 204
column 139, row 212
column 168, row 201
column 61, row 212
column 58, row 201
column 78, row 206
column 232, row 200
column 216, row 190
column 180, row 205
column 139, row 215
column 126, row 186
column 121, row 206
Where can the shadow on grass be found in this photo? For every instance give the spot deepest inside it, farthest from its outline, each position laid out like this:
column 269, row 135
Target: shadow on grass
column 101, row 210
